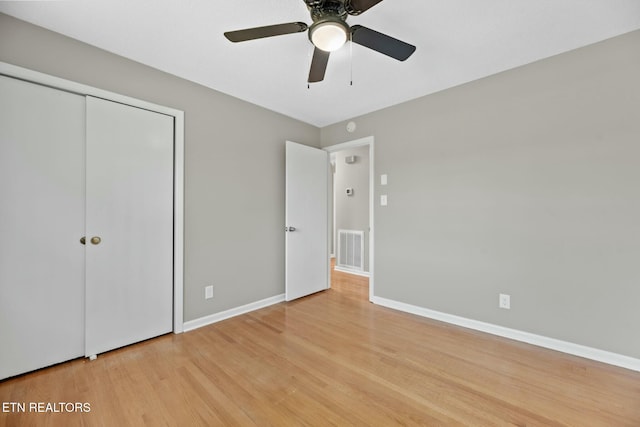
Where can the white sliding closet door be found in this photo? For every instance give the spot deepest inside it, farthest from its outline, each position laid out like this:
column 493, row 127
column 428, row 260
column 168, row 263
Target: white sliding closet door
column 129, row 281
column 41, row 223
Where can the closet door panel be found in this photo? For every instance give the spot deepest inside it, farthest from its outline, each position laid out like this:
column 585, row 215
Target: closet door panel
column 41, row 223
column 129, row 279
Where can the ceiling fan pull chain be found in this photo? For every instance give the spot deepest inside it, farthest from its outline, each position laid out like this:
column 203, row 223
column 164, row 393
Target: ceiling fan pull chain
column 310, row 60
column 351, row 58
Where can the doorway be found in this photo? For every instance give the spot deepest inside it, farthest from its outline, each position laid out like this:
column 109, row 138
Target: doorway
column 351, row 232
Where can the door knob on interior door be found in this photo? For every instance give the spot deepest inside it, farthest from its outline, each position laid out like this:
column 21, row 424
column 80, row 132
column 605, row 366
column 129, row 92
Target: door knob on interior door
column 83, row 240
column 96, row 240
column 289, row 229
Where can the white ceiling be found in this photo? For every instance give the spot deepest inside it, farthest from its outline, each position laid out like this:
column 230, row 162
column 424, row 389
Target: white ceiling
column 457, row 41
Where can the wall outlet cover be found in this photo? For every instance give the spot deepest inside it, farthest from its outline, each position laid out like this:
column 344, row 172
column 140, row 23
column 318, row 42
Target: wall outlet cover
column 504, row 301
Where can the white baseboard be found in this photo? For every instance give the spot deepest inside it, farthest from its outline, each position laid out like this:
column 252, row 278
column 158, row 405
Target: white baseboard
column 349, row 271
column 217, row 317
column 514, row 334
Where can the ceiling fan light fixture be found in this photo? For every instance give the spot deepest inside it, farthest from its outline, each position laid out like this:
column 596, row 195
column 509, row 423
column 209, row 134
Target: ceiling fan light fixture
column 329, row 35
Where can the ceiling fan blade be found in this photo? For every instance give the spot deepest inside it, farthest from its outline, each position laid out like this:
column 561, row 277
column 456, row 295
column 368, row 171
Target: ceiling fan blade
column 382, row 43
column 268, row 31
column 318, row 65
column 356, row 7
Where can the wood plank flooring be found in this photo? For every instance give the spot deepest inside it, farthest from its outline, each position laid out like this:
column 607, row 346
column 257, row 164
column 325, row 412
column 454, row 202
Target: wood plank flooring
column 331, row 358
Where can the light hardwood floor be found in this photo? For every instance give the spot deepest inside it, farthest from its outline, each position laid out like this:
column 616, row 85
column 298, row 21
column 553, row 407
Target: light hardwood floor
column 331, row 358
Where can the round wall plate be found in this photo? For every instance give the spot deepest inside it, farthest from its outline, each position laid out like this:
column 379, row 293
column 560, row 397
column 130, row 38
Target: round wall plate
column 351, row 126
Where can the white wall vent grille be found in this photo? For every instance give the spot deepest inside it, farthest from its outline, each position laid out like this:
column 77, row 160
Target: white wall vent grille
column 350, row 250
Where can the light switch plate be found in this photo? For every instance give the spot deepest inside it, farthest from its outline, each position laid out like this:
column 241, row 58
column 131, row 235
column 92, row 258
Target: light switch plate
column 383, row 200
column 383, row 179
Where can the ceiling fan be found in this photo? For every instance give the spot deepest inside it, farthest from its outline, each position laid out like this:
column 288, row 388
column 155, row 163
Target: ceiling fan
column 329, row 32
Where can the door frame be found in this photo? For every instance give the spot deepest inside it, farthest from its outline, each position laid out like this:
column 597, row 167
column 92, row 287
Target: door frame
column 366, row 141
column 178, row 164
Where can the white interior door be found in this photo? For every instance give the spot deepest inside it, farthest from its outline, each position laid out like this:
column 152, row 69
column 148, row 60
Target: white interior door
column 129, row 207
column 306, row 245
column 41, row 223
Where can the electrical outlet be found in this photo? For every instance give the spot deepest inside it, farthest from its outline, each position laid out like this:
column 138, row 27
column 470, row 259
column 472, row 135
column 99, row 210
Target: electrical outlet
column 208, row 292
column 505, row 301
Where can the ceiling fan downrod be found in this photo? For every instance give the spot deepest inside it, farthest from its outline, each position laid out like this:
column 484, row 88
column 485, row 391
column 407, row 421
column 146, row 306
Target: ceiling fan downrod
column 320, row 10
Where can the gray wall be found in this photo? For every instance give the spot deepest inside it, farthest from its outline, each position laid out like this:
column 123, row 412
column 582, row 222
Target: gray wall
column 526, row 183
column 352, row 212
column 234, row 165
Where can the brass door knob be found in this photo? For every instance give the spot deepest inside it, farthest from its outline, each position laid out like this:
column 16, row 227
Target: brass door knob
column 83, row 240
column 96, row 240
